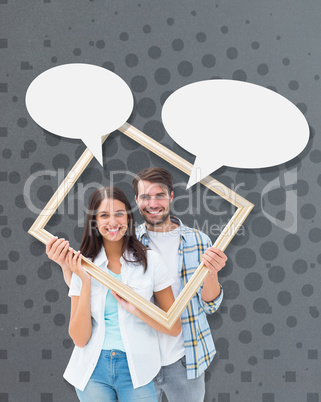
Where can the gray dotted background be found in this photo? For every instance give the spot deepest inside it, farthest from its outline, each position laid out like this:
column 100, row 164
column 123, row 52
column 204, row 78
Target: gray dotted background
column 267, row 331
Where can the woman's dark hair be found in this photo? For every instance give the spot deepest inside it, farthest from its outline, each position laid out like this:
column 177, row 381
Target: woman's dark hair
column 92, row 240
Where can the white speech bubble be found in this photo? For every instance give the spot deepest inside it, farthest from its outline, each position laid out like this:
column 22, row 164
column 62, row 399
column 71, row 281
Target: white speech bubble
column 80, row 101
column 234, row 123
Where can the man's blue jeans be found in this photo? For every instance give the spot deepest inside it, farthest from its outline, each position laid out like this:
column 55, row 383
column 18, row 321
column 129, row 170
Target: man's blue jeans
column 111, row 381
column 172, row 381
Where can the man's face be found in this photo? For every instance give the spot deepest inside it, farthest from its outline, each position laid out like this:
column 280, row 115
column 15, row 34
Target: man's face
column 153, row 201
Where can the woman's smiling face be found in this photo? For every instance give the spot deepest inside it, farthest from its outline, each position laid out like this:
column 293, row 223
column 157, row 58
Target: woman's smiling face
column 112, row 219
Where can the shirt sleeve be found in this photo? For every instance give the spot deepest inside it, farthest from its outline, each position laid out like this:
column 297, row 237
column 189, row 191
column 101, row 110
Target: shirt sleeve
column 161, row 276
column 211, row 306
column 75, row 286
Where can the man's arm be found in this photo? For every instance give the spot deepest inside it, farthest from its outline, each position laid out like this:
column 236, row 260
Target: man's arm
column 214, row 260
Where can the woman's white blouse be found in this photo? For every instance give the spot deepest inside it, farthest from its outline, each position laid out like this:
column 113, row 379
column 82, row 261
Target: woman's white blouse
column 140, row 340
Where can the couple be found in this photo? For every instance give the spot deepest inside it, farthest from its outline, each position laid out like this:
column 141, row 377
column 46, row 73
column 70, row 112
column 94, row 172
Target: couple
column 119, row 350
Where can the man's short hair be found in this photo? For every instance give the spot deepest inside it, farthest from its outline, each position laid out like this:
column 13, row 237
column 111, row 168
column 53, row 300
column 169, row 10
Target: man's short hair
column 154, row 175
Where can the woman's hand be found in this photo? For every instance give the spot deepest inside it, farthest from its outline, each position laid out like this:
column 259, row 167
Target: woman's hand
column 164, row 299
column 74, row 262
column 57, row 251
column 125, row 304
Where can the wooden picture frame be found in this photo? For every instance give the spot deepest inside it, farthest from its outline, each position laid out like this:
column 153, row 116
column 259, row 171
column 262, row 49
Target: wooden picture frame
column 166, row 319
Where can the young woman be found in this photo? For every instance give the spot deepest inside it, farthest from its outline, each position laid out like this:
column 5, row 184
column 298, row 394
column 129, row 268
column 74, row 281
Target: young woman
column 116, row 352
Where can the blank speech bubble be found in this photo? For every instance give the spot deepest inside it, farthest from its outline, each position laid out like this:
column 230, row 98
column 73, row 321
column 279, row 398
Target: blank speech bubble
column 80, row 101
column 234, row 123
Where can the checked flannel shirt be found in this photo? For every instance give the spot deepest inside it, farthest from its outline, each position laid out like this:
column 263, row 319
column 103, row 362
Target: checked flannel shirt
column 198, row 341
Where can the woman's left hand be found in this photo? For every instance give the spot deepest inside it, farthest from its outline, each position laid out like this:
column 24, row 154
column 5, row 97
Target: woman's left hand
column 125, row 304
column 74, row 262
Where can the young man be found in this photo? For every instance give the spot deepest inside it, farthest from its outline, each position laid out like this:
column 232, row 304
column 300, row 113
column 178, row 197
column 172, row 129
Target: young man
column 185, row 357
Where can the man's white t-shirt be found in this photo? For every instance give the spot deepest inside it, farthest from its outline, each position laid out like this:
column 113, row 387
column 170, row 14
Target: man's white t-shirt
column 166, row 244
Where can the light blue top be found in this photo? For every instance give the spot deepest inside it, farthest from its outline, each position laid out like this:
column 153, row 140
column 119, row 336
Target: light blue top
column 113, row 339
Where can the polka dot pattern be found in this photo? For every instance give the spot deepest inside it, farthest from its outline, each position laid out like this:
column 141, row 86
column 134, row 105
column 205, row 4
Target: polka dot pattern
column 269, row 282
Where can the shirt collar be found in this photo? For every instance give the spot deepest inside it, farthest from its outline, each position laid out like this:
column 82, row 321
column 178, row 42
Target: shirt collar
column 173, row 220
column 102, row 257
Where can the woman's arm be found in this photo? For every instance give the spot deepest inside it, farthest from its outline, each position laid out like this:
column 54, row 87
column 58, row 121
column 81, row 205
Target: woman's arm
column 164, row 299
column 57, row 251
column 80, row 326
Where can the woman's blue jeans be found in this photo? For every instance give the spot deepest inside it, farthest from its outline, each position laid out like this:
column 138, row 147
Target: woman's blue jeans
column 111, row 381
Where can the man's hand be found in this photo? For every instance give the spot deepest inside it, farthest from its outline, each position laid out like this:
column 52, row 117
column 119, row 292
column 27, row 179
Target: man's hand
column 57, row 251
column 214, row 260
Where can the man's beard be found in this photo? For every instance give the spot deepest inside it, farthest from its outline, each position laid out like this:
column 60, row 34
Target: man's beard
column 163, row 218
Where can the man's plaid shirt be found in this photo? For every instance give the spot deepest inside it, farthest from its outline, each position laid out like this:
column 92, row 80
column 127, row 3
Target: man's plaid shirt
column 198, row 341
